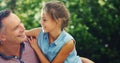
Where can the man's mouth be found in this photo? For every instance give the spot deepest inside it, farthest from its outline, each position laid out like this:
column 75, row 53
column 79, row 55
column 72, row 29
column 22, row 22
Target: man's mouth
column 22, row 36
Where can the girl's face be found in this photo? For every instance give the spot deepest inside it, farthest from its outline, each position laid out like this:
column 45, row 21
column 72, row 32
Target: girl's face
column 47, row 23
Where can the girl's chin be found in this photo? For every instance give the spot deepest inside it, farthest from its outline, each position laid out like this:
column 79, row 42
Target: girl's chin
column 44, row 31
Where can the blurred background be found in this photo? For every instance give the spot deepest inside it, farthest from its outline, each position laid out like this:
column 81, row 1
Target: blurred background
column 94, row 24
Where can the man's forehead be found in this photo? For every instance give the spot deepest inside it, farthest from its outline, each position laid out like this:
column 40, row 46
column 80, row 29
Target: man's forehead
column 12, row 17
column 11, row 21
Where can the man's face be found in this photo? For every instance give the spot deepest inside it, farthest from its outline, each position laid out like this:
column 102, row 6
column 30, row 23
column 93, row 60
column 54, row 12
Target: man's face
column 13, row 29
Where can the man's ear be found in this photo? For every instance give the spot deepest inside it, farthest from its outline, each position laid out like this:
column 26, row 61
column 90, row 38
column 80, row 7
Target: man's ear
column 2, row 37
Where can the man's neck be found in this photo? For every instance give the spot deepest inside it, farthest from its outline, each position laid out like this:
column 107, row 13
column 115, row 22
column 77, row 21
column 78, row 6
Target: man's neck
column 10, row 49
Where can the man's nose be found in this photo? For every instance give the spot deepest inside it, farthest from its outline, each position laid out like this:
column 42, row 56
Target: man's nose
column 22, row 28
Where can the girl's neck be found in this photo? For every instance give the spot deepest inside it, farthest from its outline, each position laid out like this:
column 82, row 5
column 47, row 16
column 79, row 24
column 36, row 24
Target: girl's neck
column 54, row 35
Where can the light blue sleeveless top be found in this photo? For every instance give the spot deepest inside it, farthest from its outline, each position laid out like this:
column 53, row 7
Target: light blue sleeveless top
column 51, row 50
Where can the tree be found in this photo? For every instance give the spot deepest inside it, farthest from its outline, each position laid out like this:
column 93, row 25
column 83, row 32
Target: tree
column 95, row 26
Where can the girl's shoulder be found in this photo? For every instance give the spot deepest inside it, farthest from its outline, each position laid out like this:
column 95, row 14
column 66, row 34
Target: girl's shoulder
column 67, row 37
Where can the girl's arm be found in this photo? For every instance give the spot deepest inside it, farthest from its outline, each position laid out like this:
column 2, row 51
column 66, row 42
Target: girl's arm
column 34, row 44
column 64, row 52
column 33, row 32
column 61, row 56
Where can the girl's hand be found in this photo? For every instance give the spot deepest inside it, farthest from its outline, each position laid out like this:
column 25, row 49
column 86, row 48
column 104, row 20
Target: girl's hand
column 34, row 45
column 33, row 42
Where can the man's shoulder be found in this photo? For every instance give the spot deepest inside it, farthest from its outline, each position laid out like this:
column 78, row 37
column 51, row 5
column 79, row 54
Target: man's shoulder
column 29, row 56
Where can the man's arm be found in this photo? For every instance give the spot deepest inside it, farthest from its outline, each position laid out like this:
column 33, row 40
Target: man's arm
column 86, row 60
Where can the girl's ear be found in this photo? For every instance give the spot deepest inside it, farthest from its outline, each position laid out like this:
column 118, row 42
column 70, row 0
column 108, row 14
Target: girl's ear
column 59, row 21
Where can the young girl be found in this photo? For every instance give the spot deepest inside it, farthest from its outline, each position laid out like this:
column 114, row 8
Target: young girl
column 54, row 45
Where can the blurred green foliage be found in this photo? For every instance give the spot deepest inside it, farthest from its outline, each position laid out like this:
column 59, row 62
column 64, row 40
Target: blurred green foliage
column 94, row 24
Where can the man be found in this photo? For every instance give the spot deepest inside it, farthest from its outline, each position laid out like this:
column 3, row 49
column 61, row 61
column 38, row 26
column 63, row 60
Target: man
column 13, row 48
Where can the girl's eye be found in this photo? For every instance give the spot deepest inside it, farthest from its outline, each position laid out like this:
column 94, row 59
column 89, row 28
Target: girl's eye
column 44, row 19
